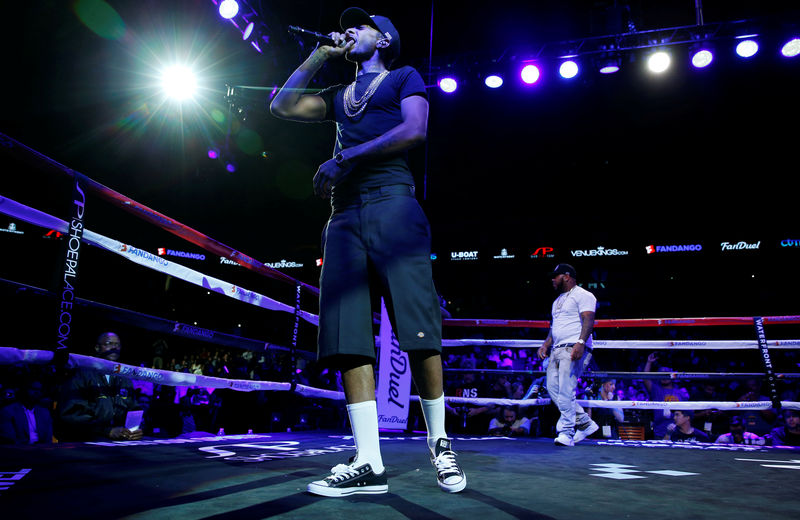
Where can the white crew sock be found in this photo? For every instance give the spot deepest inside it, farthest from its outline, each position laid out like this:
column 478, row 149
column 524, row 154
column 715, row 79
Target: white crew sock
column 433, row 412
column 364, row 422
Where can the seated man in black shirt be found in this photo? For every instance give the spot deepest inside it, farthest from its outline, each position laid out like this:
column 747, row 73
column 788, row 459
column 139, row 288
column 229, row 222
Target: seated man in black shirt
column 681, row 430
column 789, row 433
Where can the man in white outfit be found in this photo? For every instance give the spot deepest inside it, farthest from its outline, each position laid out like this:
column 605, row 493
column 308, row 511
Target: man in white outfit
column 569, row 344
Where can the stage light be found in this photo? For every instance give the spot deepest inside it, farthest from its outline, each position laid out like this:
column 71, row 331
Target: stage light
column 493, row 81
column 448, row 85
column 791, row 48
column 178, row 82
column 529, row 74
column 609, row 64
column 248, row 31
column 213, row 154
column 228, row 9
column 230, row 167
column 658, row 62
column 702, row 58
column 747, row 48
column 568, row 69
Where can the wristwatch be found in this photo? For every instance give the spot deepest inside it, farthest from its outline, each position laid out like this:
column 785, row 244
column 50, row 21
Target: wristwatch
column 341, row 161
column 581, row 341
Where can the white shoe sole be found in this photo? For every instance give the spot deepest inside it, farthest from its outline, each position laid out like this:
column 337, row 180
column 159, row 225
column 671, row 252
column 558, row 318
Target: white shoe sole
column 327, row 491
column 453, row 488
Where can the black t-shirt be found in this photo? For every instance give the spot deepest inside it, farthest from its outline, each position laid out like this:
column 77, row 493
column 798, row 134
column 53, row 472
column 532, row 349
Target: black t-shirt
column 381, row 115
column 696, row 435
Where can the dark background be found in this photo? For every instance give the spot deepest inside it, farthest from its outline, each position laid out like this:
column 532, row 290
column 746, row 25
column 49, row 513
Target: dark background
column 689, row 157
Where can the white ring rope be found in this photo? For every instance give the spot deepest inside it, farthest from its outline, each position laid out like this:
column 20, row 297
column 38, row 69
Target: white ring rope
column 156, row 263
column 166, row 377
column 163, row 377
column 783, row 344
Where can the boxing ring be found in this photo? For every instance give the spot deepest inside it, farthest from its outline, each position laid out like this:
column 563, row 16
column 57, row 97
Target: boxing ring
column 263, row 474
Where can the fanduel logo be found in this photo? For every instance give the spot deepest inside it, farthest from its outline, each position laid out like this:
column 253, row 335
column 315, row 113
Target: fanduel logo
column 600, row 251
column 464, row 255
column 673, row 249
column 727, row 246
column 790, row 243
column 226, row 261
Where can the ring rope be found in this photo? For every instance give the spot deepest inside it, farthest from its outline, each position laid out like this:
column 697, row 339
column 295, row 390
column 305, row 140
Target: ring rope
column 609, row 323
column 201, row 240
column 166, row 377
column 162, row 325
column 786, row 344
column 156, row 263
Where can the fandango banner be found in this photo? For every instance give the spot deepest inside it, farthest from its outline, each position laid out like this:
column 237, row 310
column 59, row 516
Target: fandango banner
column 394, row 378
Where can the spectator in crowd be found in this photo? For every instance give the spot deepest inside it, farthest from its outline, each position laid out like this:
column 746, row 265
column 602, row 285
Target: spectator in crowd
column 465, row 417
column 737, row 434
column 760, row 422
column 508, row 424
column 94, row 406
column 26, row 421
column 607, row 418
column 664, row 390
column 789, row 433
column 681, row 429
column 711, row 419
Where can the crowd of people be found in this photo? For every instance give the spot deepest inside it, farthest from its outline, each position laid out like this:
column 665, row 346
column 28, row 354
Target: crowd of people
column 38, row 405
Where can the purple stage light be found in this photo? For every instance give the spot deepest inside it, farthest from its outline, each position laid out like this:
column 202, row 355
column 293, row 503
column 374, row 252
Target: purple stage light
column 493, row 81
column 248, row 31
column 702, row 58
column 609, row 69
column 529, row 74
column 230, row 167
column 568, row 69
column 228, row 9
column 747, row 48
column 791, row 48
column 448, row 85
column 213, row 154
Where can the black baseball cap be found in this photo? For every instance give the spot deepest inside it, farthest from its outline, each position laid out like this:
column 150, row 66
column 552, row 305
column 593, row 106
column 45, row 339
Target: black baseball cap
column 563, row 269
column 356, row 17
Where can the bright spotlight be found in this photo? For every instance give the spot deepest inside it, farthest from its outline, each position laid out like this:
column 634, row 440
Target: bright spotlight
column 228, row 9
column 702, row 58
column 658, row 62
column 568, row 69
column 448, row 85
column 791, row 48
column 530, row 74
column 747, row 48
column 178, row 82
column 493, row 81
column 248, row 31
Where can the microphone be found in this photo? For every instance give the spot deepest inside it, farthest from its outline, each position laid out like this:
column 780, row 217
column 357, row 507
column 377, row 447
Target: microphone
column 324, row 39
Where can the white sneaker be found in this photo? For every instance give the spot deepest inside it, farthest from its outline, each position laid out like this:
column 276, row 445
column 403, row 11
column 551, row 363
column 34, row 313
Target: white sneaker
column 584, row 431
column 347, row 479
column 450, row 476
column 564, row 440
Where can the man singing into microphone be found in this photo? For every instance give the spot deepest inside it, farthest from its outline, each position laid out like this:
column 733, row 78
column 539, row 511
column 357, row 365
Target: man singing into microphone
column 376, row 242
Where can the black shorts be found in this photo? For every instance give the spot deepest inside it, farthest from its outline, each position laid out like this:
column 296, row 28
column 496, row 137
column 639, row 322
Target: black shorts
column 377, row 243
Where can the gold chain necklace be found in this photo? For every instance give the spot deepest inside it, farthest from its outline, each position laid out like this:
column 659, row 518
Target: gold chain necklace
column 353, row 106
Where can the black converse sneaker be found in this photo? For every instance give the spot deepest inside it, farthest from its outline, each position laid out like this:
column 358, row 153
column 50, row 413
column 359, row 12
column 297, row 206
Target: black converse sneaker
column 348, row 479
column 449, row 474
